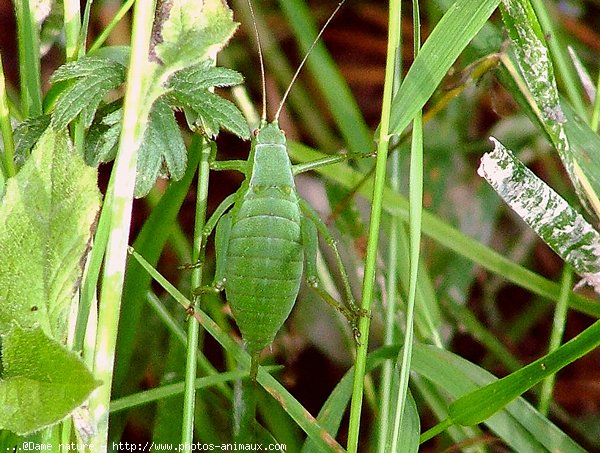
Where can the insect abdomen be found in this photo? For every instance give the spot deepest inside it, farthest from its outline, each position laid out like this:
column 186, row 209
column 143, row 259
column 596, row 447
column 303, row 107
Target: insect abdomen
column 264, row 264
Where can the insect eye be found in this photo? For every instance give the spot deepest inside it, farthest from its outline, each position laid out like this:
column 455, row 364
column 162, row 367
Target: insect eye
column 255, row 132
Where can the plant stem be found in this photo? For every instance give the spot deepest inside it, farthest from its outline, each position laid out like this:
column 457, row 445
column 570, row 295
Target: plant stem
column 189, row 399
column 72, row 22
column 110, row 27
column 558, row 329
column 392, row 279
column 5, row 126
column 29, row 60
column 376, row 207
column 134, row 120
column 415, row 213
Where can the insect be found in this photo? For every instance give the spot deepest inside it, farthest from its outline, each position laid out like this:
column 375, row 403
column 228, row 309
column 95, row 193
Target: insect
column 268, row 238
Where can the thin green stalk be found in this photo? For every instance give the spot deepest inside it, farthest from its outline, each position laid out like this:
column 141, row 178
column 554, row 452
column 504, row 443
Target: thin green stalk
column 177, row 331
column 134, row 121
column 558, row 329
column 596, row 109
column 110, row 27
column 390, row 313
column 93, row 267
column 7, row 134
column 166, row 391
column 294, row 409
column 189, row 398
column 377, row 198
column 72, row 20
column 83, row 32
column 560, row 57
column 29, row 60
column 392, row 279
column 415, row 213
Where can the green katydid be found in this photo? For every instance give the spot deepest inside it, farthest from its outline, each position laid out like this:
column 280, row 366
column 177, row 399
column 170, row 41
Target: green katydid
column 269, row 237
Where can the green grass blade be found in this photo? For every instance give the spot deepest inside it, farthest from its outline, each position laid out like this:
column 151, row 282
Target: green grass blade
column 482, row 403
column 450, row 237
column 558, row 329
column 335, row 90
column 374, row 227
column 558, row 52
column 448, row 39
column 546, row 212
column 8, row 167
column 166, row 391
column 29, row 60
column 324, row 441
column 520, row 425
column 415, row 212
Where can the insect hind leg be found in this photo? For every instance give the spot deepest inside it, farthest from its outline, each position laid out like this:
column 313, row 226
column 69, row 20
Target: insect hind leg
column 311, row 222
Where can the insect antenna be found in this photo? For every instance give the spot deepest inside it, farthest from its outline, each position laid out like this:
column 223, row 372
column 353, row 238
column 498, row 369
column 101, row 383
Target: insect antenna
column 262, row 64
column 310, row 49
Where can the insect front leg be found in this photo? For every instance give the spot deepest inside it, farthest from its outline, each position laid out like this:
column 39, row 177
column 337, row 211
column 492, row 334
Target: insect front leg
column 221, row 243
column 210, row 226
column 329, row 160
column 310, row 223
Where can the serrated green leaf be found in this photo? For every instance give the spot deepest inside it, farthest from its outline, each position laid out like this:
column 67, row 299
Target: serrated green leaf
column 190, row 32
column 92, row 79
column 213, row 112
column 204, row 76
column 27, row 134
column 190, row 90
column 46, row 218
column 162, row 145
column 103, row 136
column 42, row 382
column 546, row 212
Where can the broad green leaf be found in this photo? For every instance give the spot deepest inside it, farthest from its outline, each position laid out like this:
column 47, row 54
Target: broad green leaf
column 546, row 212
column 90, row 80
column 42, row 382
column 46, row 218
column 162, row 150
column 451, row 35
